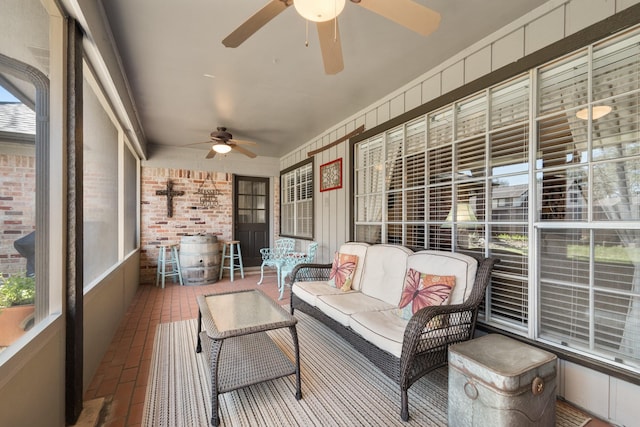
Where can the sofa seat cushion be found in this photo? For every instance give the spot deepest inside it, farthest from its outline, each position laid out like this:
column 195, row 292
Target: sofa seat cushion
column 383, row 328
column 310, row 291
column 341, row 307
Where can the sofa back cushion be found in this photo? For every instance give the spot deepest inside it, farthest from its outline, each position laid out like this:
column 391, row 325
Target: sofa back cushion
column 384, row 271
column 447, row 264
column 360, row 250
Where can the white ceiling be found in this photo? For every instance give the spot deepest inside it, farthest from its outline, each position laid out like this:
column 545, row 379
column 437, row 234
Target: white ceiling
column 272, row 89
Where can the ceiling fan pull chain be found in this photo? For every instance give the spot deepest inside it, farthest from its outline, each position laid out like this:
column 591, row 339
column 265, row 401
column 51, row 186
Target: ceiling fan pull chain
column 306, row 36
column 335, row 21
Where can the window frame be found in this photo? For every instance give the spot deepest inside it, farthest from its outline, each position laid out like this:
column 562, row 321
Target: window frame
column 296, row 169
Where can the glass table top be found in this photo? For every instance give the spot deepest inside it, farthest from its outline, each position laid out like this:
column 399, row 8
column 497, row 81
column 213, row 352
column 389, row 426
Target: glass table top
column 242, row 310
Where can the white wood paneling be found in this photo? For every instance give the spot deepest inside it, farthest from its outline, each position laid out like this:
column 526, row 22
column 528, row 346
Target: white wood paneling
column 508, row 49
column 585, row 388
column 431, row 88
column 371, row 119
column 545, row 30
column 396, row 106
column 413, row 98
column 582, row 13
column 625, row 410
column 477, row 64
column 383, row 113
column 623, row 4
column 453, row 77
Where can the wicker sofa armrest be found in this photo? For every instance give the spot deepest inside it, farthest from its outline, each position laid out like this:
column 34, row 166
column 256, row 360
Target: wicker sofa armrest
column 433, row 329
column 442, row 324
column 310, row 272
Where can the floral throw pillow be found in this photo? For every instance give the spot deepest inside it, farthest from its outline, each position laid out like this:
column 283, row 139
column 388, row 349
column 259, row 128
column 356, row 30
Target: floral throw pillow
column 424, row 290
column 342, row 270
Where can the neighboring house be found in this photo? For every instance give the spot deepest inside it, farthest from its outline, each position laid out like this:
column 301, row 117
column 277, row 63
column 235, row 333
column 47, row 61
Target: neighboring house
column 17, row 122
column 17, row 183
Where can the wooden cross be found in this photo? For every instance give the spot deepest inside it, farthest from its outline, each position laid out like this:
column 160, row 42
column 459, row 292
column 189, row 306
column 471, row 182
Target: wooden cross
column 170, row 195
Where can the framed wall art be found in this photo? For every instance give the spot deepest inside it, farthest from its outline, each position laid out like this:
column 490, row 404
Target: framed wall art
column 331, row 175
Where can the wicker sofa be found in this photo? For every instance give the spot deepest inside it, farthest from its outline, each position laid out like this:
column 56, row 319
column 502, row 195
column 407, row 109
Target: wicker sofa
column 368, row 315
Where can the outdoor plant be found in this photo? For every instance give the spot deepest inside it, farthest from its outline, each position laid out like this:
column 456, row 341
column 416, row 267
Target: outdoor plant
column 17, row 289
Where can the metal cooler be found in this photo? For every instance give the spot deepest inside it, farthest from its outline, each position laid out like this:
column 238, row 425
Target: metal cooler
column 498, row 381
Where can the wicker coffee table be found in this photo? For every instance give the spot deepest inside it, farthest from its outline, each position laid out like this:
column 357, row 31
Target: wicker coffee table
column 239, row 320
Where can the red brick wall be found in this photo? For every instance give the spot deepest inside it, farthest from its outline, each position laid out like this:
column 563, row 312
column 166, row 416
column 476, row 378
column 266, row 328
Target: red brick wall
column 17, row 207
column 189, row 216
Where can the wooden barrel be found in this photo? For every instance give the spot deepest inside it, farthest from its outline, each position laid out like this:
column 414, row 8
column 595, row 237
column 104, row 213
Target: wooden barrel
column 199, row 259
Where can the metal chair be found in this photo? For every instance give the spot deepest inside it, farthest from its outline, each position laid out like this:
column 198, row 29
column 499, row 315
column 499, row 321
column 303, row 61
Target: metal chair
column 294, row 259
column 274, row 257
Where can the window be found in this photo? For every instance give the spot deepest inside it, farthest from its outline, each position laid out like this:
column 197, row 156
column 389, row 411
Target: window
column 588, row 168
column 459, row 178
column 296, row 208
column 24, row 155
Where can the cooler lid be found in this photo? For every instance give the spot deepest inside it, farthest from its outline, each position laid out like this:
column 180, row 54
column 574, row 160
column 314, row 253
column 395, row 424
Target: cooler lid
column 501, row 361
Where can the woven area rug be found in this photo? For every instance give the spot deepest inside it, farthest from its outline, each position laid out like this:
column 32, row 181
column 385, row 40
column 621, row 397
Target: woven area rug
column 339, row 387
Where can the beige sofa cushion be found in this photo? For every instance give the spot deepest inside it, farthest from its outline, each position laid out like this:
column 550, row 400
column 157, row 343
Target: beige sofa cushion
column 341, row 307
column 462, row 266
column 384, row 329
column 309, row 291
column 384, row 271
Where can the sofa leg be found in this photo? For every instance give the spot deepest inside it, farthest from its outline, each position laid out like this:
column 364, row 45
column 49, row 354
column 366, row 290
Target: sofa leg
column 404, row 402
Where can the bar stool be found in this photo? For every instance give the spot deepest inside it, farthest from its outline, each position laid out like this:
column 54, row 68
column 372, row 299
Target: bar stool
column 173, row 261
column 234, row 254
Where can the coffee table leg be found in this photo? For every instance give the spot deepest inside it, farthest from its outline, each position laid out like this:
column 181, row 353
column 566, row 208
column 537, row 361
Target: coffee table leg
column 216, row 345
column 294, row 336
column 199, row 346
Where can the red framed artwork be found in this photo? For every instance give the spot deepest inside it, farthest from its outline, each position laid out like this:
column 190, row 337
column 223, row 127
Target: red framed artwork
column 331, row 175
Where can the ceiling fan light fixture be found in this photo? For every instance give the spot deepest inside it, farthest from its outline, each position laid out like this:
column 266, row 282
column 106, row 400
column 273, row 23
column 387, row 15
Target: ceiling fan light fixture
column 319, row 10
column 221, row 148
column 597, row 111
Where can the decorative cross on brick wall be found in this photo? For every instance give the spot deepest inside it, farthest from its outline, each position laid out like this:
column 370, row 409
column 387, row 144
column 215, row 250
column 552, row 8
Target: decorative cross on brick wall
column 170, row 195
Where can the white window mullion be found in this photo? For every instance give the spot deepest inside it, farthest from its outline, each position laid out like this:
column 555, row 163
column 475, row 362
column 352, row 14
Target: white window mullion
column 534, row 261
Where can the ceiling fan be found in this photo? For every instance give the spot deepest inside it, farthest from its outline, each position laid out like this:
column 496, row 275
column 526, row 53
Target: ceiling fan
column 223, row 143
column 407, row 13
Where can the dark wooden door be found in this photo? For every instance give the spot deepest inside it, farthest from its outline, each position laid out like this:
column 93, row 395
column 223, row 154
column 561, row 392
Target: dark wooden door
column 251, row 217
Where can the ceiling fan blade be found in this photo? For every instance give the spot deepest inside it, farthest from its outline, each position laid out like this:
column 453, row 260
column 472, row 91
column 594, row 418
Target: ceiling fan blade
column 331, row 47
column 255, row 22
column 211, row 154
column 196, row 143
column 243, row 150
column 407, row 13
column 242, row 142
